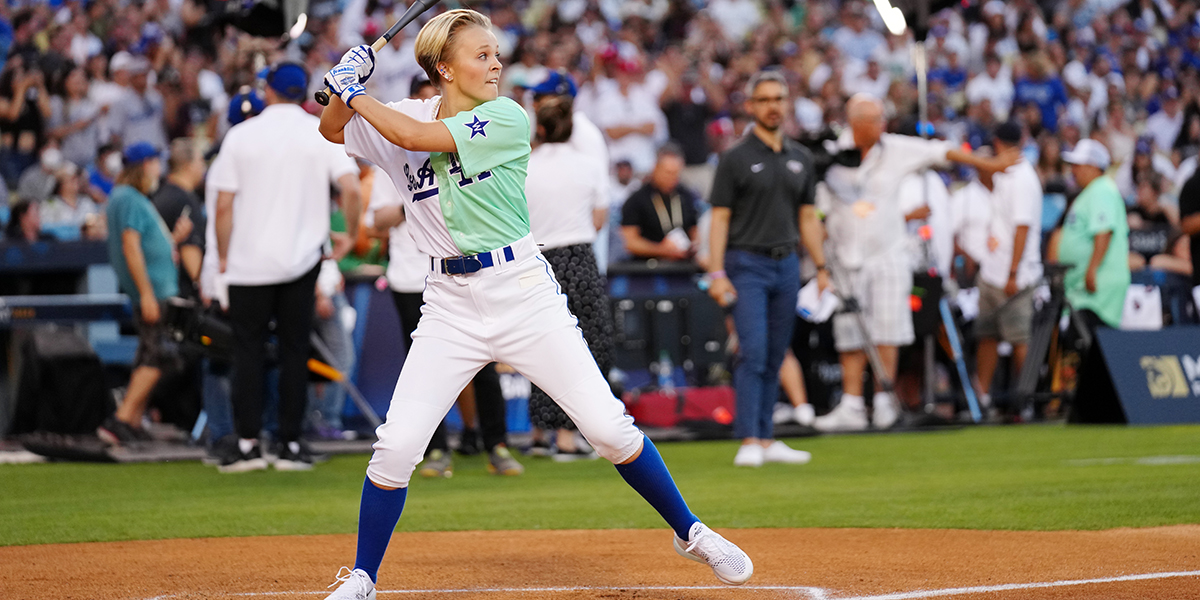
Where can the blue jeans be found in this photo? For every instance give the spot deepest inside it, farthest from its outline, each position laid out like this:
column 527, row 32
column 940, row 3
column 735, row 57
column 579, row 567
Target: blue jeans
column 217, row 389
column 764, row 315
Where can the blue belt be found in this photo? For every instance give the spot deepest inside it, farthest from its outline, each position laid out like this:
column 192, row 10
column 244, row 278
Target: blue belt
column 463, row 265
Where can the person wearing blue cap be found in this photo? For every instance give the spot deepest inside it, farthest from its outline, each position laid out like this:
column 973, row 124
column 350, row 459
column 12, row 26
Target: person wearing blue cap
column 272, row 181
column 142, row 252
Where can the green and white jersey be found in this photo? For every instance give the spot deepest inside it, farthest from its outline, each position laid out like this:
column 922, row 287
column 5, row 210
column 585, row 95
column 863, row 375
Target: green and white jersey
column 482, row 186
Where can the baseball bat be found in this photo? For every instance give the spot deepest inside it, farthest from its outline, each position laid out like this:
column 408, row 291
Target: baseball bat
column 414, row 11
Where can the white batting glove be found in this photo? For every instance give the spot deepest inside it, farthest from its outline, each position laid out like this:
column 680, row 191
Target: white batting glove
column 343, row 80
column 363, row 59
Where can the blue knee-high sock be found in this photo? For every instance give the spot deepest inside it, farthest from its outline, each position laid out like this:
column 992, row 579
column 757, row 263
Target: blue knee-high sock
column 650, row 477
column 377, row 517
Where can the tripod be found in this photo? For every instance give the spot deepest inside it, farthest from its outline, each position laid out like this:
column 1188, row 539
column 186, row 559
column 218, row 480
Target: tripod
column 1045, row 336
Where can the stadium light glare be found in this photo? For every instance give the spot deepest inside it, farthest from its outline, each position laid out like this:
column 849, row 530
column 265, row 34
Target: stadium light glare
column 893, row 18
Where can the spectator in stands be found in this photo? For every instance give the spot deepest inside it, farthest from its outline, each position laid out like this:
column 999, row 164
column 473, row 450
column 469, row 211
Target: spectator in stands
column 762, row 209
column 659, row 220
column 141, row 250
column 866, row 229
column 273, row 175
column 38, row 181
column 177, row 197
column 138, row 116
column 1012, row 267
column 691, row 100
column 25, row 223
column 568, row 199
column 69, row 207
column 854, row 39
column 1094, row 240
column 74, row 120
column 629, row 114
column 103, row 174
column 1041, row 87
column 24, row 108
column 1164, row 126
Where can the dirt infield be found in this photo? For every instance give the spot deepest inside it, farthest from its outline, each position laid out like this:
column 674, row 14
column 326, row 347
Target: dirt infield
column 865, row 564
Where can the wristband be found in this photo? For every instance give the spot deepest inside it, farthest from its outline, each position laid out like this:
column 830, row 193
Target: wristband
column 353, row 92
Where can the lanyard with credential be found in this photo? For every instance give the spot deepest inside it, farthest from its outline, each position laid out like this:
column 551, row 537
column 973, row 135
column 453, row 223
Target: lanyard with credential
column 668, row 222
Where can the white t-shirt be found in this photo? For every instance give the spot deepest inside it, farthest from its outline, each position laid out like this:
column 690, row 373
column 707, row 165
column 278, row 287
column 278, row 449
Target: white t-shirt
column 407, row 266
column 999, row 90
column 1016, row 200
column 634, row 109
column 563, row 187
column 930, row 190
column 279, row 168
column 971, row 210
column 879, row 230
column 411, row 173
column 1164, row 129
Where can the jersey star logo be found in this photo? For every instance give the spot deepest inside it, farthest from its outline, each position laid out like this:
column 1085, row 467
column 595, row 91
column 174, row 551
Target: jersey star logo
column 477, row 127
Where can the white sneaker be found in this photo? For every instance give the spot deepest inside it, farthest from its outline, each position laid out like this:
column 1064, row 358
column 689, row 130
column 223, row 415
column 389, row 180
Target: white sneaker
column 784, row 413
column 805, row 415
column 728, row 562
column 749, row 455
column 886, row 411
column 779, row 452
column 356, row 585
column 842, row 418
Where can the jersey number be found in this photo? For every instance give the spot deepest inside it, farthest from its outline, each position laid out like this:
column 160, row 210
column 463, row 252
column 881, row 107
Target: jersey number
column 456, row 169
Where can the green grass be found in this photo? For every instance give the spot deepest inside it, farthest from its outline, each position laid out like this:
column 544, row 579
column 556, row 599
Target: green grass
column 984, row 478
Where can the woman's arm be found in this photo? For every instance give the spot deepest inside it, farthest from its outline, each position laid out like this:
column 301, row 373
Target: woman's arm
column 403, row 130
column 333, row 120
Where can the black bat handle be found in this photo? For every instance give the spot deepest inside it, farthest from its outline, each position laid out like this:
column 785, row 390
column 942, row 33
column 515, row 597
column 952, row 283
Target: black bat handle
column 322, row 97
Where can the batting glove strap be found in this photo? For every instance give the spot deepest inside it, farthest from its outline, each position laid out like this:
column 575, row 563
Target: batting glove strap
column 363, row 59
column 352, row 92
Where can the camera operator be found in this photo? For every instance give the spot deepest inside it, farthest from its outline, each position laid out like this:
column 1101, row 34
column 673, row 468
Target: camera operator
column 142, row 252
column 272, row 221
column 867, row 236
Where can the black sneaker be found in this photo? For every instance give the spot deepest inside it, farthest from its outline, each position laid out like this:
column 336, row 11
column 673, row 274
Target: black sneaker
column 561, row 455
column 468, row 442
column 538, row 448
column 116, row 432
column 241, row 462
column 294, row 456
column 223, row 451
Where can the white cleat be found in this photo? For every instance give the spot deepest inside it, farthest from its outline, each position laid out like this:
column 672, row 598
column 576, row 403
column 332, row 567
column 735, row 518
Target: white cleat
column 843, row 418
column 779, row 452
column 749, row 455
column 356, row 585
column 886, row 411
column 728, row 562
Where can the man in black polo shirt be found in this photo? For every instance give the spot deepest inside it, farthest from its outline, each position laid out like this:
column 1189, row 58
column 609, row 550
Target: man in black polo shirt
column 762, row 202
column 659, row 220
column 1189, row 222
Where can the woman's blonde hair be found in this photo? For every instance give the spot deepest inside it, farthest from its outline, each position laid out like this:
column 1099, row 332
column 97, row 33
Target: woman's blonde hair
column 437, row 37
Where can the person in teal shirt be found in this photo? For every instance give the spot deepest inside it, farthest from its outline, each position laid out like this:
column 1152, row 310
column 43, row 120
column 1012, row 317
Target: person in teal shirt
column 142, row 252
column 1095, row 239
column 490, row 295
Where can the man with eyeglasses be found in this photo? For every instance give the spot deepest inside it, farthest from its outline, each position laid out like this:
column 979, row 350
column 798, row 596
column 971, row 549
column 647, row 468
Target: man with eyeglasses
column 762, row 207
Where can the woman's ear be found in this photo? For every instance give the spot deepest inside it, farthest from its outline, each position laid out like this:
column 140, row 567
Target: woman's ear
column 444, row 71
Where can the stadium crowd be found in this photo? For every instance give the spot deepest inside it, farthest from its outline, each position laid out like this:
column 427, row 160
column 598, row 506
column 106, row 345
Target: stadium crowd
column 84, row 81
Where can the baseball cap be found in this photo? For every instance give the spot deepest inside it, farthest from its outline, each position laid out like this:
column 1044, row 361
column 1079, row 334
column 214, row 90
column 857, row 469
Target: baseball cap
column 289, row 80
column 558, row 83
column 247, row 103
column 121, row 61
column 1144, row 145
column 139, row 152
column 1009, row 133
column 993, row 8
column 1088, row 152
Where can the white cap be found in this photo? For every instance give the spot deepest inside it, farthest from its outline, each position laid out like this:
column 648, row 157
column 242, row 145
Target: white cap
column 993, row 8
column 121, row 61
column 1088, row 152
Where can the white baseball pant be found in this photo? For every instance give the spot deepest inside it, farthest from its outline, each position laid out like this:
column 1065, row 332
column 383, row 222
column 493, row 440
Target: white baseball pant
column 515, row 313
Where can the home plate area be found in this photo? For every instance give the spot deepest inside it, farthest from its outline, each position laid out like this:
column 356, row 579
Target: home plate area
column 833, row 564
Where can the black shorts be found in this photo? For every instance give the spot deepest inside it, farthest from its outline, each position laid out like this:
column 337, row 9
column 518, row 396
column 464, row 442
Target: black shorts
column 155, row 347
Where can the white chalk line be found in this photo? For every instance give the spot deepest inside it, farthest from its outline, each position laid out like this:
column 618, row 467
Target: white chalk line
column 813, row 593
